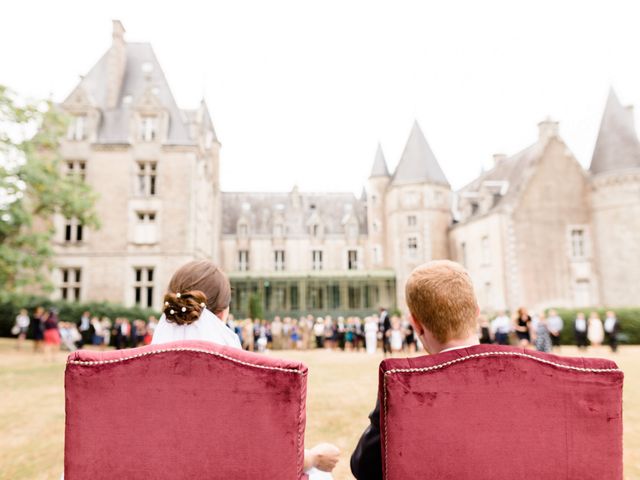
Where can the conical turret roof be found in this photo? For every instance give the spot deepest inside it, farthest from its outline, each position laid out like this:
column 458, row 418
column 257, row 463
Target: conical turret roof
column 379, row 168
column 617, row 146
column 418, row 164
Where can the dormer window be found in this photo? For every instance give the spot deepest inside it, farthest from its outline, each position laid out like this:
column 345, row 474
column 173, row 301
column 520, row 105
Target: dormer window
column 314, row 230
column 208, row 140
column 77, row 127
column 148, row 128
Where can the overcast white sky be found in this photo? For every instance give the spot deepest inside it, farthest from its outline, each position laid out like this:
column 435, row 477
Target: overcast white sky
column 301, row 92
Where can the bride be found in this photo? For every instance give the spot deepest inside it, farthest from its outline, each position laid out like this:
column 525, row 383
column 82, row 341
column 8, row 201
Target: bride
column 196, row 307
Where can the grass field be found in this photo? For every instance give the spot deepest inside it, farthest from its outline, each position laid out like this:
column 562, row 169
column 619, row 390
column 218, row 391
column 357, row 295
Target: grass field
column 342, row 388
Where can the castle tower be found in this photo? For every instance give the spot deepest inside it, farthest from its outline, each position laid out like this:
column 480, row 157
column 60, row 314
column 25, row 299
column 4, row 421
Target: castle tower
column 155, row 169
column 418, row 211
column 376, row 216
column 615, row 170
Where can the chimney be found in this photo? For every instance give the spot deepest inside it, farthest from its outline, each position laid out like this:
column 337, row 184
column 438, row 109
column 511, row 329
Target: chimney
column 116, row 64
column 547, row 129
column 498, row 158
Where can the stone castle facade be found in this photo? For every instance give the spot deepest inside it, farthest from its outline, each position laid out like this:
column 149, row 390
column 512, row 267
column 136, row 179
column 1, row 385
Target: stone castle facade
column 536, row 229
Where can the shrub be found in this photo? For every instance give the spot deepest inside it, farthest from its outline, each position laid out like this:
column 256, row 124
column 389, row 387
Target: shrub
column 67, row 311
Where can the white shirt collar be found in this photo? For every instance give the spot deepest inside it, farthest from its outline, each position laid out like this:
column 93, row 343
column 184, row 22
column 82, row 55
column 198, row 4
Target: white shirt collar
column 455, row 348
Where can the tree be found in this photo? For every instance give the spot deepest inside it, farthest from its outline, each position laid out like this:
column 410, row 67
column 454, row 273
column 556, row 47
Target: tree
column 33, row 189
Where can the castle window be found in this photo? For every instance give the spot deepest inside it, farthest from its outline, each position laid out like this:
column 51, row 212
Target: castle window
column 143, row 286
column 475, row 208
column 148, row 128
column 463, row 253
column 314, row 230
column 487, row 294
column 412, row 246
column 76, row 168
column 243, row 260
column 278, row 258
column 377, row 254
column 352, row 260
column 412, row 220
column 70, row 284
column 486, row 251
column 73, row 231
column 316, row 260
column 147, row 179
column 578, row 243
column 582, row 293
column 146, row 228
column 77, row 127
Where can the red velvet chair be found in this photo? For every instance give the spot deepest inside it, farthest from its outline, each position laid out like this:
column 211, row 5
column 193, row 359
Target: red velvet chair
column 492, row 412
column 183, row 410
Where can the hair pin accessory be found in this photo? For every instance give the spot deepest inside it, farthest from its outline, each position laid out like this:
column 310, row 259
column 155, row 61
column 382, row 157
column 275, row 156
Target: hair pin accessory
column 202, row 305
column 178, row 295
column 166, row 304
column 171, row 312
column 184, row 309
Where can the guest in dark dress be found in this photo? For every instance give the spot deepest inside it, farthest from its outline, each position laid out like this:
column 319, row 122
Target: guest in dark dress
column 485, row 331
column 37, row 329
column 523, row 327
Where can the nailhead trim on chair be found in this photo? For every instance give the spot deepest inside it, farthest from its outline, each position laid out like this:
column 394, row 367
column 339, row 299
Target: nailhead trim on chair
column 199, row 350
column 467, row 357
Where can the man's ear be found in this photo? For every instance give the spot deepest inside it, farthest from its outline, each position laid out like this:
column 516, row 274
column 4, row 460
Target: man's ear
column 417, row 326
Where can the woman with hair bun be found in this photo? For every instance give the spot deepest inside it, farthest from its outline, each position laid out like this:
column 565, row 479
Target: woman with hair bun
column 196, row 306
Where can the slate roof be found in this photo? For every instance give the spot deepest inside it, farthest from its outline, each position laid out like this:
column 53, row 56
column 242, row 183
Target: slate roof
column 515, row 170
column 379, row 168
column 418, row 164
column 296, row 209
column 617, row 146
column 115, row 124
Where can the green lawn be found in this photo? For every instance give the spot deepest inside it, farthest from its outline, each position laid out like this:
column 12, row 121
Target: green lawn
column 342, row 388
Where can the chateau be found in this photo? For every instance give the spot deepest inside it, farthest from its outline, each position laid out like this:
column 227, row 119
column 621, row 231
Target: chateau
column 535, row 230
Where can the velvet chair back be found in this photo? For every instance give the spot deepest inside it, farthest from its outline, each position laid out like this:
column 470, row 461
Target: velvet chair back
column 183, row 410
column 493, row 412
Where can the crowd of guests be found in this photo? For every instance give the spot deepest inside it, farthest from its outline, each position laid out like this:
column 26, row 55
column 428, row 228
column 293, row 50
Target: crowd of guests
column 382, row 331
column 543, row 331
column 50, row 334
column 390, row 333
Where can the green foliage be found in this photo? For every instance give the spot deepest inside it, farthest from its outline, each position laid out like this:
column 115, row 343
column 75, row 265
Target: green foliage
column 256, row 310
column 33, row 189
column 10, row 306
column 629, row 319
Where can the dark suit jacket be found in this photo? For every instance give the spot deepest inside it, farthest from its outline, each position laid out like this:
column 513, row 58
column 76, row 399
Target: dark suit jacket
column 366, row 460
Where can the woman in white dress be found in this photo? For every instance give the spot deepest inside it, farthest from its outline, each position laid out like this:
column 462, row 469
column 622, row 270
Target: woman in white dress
column 371, row 334
column 595, row 330
column 196, row 307
column 396, row 339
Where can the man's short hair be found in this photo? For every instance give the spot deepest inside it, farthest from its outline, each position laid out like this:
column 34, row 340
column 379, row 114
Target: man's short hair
column 440, row 296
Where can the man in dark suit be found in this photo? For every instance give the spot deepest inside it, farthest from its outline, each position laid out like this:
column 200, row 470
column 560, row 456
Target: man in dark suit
column 443, row 311
column 385, row 328
column 612, row 327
